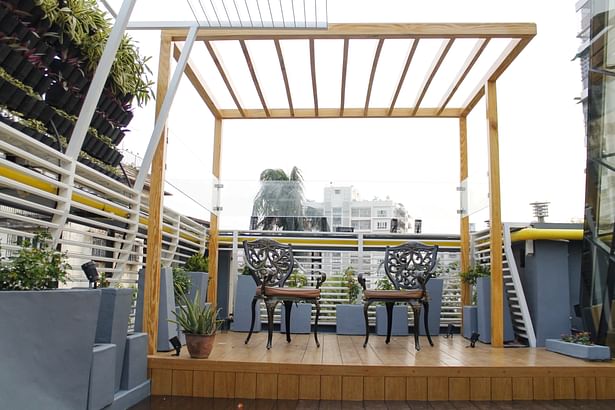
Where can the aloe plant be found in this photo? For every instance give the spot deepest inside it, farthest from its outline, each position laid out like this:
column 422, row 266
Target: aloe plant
column 195, row 318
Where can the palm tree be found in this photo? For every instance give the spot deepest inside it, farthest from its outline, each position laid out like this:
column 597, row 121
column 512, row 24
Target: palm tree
column 279, row 202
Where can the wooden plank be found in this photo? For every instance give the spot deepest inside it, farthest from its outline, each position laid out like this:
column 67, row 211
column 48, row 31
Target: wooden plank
column 313, row 70
column 151, row 288
column 246, row 55
column 212, row 286
column 223, row 75
column 197, row 81
column 402, row 77
column 501, row 388
column 374, row 112
column 309, row 387
column 464, row 223
column 344, row 69
column 330, row 387
column 523, row 388
column 224, row 384
column 203, row 383
column 182, row 383
column 433, row 70
column 266, row 386
column 368, row 31
column 543, row 387
column 459, row 388
column 585, row 388
column 464, row 71
column 395, row 388
column 605, row 388
column 245, row 385
column 480, row 388
column 278, row 50
column 373, row 73
column 352, row 388
column 563, row 388
column 288, row 387
column 437, row 388
column 373, row 388
column 509, row 54
column 416, row 388
column 162, row 382
column 495, row 217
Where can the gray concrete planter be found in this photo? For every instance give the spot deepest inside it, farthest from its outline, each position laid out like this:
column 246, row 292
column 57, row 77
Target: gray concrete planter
column 349, row 319
column 166, row 329
column 470, row 321
column 400, row 321
column 483, row 290
column 586, row 352
column 300, row 318
column 47, row 339
column 434, row 290
column 198, row 281
column 244, row 293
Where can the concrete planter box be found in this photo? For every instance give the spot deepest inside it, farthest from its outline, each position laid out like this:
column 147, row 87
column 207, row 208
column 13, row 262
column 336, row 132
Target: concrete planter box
column 483, row 289
column 470, row 321
column 166, row 329
column 112, row 324
column 244, row 293
column 198, row 281
column 300, row 318
column 586, row 352
column 400, row 321
column 102, row 374
column 349, row 319
column 47, row 339
column 434, row 290
column 134, row 372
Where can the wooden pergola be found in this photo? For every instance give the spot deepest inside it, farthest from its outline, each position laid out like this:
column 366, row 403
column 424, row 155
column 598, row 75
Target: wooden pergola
column 179, row 42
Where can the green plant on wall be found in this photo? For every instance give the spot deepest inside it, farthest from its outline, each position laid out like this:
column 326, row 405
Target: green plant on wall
column 471, row 275
column 35, row 267
column 196, row 263
column 349, row 281
column 296, row 279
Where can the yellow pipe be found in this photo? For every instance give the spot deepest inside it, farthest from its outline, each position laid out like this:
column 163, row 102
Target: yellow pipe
column 76, row 197
column 547, row 234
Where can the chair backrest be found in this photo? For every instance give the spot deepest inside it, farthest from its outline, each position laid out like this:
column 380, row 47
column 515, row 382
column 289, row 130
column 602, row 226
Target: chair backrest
column 270, row 262
column 409, row 265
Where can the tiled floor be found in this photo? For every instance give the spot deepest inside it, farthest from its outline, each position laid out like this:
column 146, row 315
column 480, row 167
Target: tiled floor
column 188, row 403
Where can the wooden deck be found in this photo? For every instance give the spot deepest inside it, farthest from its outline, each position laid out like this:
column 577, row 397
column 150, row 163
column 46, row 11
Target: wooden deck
column 341, row 369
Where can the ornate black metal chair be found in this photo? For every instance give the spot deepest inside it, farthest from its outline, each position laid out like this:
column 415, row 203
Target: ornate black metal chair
column 271, row 263
column 409, row 267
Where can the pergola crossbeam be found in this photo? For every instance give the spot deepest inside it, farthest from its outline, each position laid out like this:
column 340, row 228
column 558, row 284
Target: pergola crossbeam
column 246, row 54
column 373, row 73
column 222, row 72
column 437, row 62
column 313, row 70
column 381, row 112
column 278, row 50
column 344, row 72
column 402, row 77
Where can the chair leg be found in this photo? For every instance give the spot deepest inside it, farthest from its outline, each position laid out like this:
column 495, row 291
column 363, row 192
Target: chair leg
column 288, row 306
column 416, row 312
column 254, row 300
column 426, row 321
column 365, row 308
column 389, row 306
column 270, row 309
column 317, row 303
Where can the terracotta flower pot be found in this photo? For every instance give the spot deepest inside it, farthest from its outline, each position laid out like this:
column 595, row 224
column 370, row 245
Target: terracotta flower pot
column 199, row 346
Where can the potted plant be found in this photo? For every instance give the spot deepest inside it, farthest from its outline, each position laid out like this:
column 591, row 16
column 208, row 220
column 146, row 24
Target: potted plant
column 580, row 345
column 349, row 318
column 199, row 322
column 37, row 317
column 400, row 313
column 245, row 289
column 470, row 312
column 196, row 268
column 301, row 313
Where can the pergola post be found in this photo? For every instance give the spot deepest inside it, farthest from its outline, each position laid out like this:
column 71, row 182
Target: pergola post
column 495, row 216
column 151, row 288
column 464, row 217
column 212, row 294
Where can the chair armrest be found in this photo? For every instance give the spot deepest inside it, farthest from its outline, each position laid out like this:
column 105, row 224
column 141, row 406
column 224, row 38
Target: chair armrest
column 321, row 277
column 320, row 280
column 361, row 281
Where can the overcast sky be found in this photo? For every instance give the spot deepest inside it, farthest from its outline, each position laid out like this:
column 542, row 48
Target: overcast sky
column 412, row 161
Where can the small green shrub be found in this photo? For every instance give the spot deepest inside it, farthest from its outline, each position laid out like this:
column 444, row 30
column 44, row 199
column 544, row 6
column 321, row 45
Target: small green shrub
column 196, row 263
column 35, row 267
column 582, row 338
column 196, row 319
column 181, row 282
column 296, row 279
column 471, row 275
column 349, row 281
column 384, row 283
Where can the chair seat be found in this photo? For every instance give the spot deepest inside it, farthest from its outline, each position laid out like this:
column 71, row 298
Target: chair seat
column 306, row 293
column 393, row 294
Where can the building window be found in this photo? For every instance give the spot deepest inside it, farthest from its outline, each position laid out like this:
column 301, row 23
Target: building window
column 337, row 191
column 99, row 252
column 382, row 213
column 337, row 221
column 382, row 225
column 360, row 225
column 336, row 211
column 361, row 212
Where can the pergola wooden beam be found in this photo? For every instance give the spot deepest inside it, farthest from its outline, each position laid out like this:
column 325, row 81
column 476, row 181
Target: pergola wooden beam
column 197, row 81
column 278, row 50
column 402, row 77
column 232, row 114
column 435, row 65
column 246, row 54
column 222, row 72
column 344, row 72
column 366, row 31
column 313, row 71
column 373, row 74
